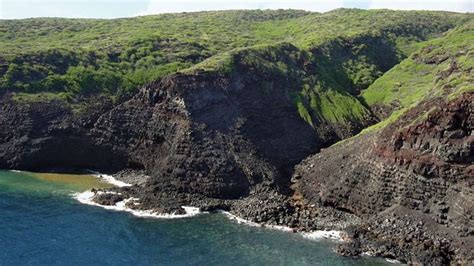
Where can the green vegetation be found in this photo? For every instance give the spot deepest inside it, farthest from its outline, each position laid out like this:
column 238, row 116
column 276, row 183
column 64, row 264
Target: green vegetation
column 441, row 67
column 83, row 57
column 329, row 64
column 315, row 89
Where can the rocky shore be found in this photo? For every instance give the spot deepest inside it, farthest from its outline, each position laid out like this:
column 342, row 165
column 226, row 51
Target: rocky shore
column 411, row 184
column 213, row 142
column 387, row 205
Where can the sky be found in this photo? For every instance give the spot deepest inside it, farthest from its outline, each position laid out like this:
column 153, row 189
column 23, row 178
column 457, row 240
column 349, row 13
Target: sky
column 12, row 9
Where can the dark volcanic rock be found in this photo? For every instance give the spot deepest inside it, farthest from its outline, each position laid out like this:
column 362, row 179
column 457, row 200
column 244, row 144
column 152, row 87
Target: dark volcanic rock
column 230, row 141
column 412, row 183
column 108, row 199
column 209, row 134
column 45, row 135
column 206, row 134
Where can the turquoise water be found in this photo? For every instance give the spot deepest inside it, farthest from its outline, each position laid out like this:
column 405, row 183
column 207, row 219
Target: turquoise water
column 41, row 224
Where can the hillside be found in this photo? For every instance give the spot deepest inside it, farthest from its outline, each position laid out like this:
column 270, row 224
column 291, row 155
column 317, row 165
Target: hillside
column 442, row 66
column 74, row 57
column 414, row 169
column 239, row 111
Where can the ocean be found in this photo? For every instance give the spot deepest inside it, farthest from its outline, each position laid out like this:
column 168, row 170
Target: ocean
column 43, row 224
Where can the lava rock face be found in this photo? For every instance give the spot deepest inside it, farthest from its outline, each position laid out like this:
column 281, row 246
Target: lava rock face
column 216, row 140
column 411, row 182
column 43, row 135
column 208, row 134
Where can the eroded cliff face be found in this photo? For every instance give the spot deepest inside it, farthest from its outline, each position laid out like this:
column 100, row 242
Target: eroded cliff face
column 205, row 133
column 229, row 138
column 412, row 182
column 52, row 135
column 208, row 134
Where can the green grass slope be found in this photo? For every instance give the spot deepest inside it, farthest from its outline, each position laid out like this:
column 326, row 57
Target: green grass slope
column 71, row 58
column 317, row 96
column 442, row 67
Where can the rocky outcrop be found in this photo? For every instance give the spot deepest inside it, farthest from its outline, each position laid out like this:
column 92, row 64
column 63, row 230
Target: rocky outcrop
column 52, row 135
column 230, row 139
column 411, row 182
column 211, row 134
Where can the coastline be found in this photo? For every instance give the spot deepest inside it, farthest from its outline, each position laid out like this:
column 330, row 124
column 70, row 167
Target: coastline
column 87, row 196
column 334, row 235
column 121, row 206
column 109, row 179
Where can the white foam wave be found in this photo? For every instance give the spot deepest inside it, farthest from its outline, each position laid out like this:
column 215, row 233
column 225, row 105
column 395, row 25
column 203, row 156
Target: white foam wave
column 109, row 179
column 315, row 235
column 393, row 261
column 367, row 253
column 239, row 220
column 324, row 234
column 250, row 223
column 86, row 198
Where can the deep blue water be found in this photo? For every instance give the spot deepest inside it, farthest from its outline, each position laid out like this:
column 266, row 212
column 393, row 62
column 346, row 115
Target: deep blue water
column 41, row 224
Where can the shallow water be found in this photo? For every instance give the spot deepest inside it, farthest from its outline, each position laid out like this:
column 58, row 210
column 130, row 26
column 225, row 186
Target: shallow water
column 41, row 224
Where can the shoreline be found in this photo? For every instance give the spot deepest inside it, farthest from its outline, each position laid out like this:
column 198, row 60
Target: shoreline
column 106, row 178
column 86, row 198
column 109, row 179
column 121, row 206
